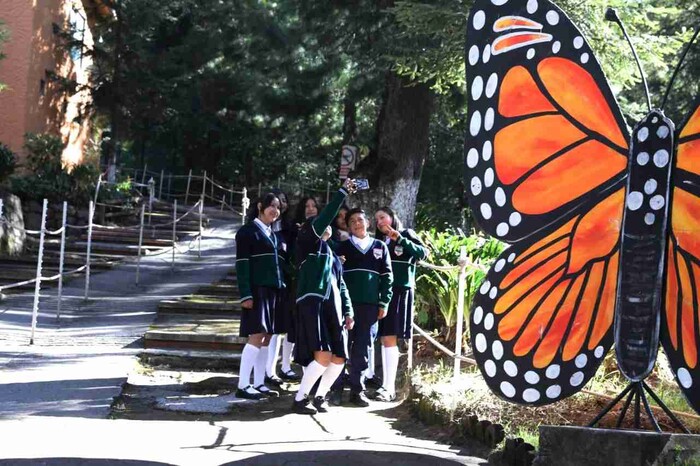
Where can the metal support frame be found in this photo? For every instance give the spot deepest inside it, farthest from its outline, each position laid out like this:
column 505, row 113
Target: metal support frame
column 37, row 283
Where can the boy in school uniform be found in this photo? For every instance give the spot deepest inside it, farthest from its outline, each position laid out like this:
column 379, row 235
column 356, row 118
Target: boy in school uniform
column 369, row 278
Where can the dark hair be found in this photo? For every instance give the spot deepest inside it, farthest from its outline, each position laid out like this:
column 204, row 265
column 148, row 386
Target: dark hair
column 265, row 200
column 354, row 211
column 300, row 217
column 395, row 221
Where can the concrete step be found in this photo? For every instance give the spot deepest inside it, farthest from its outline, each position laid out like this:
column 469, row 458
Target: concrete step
column 203, row 332
column 195, row 306
column 191, row 359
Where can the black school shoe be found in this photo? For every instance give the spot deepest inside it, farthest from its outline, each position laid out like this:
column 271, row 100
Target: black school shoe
column 274, row 381
column 267, row 392
column 290, row 375
column 336, row 397
column 248, row 393
column 359, row 399
column 375, row 382
column 302, row 407
column 320, row 404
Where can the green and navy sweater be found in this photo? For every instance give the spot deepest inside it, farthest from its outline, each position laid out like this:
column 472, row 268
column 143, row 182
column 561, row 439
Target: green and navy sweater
column 316, row 267
column 405, row 254
column 259, row 260
column 367, row 273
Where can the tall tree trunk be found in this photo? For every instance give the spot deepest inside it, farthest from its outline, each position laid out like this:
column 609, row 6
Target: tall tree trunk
column 349, row 119
column 394, row 168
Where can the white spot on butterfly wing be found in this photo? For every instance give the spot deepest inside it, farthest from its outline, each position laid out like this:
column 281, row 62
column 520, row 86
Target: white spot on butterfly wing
column 480, row 343
column 486, row 56
column 502, row 229
column 507, row 389
column 488, row 119
column 497, row 349
column 643, row 158
column 661, row 158
column 576, row 379
column 532, row 6
column 662, row 132
column 531, row 377
column 510, row 368
column 657, row 202
column 598, row 353
column 477, row 87
column 649, row 218
column 552, row 17
column 499, row 2
column 491, row 85
column 584, row 58
column 553, row 391
column 479, row 20
column 490, row 368
column 473, row 55
column 488, row 321
column 634, row 200
column 476, row 186
column 493, row 292
column 684, row 378
column 511, row 257
column 487, row 150
column 530, row 54
column 485, row 211
column 475, row 123
column 581, row 361
column 485, row 287
column 650, row 186
column 552, row 371
column 514, row 219
column 578, row 42
column 500, row 263
column 472, row 157
column 531, row 395
column 500, row 197
column 643, row 134
column 556, row 46
column 478, row 314
column 488, row 177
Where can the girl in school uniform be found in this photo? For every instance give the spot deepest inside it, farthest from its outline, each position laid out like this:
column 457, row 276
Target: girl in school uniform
column 405, row 249
column 368, row 275
column 308, row 207
column 283, row 339
column 262, row 288
column 324, row 311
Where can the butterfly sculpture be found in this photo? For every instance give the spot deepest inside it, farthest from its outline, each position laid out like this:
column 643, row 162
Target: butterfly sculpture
column 604, row 226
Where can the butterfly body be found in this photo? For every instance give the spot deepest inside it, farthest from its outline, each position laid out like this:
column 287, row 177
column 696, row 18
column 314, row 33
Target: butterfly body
column 643, row 246
column 603, row 226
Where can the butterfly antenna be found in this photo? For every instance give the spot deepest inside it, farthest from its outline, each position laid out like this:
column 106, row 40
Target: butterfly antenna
column 611, row 15
column 678, row 67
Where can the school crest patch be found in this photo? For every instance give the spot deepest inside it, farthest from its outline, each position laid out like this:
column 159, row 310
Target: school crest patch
column 398, row 250
column 377, row 253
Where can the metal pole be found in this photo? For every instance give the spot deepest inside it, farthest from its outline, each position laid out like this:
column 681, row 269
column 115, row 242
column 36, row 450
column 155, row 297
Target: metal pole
column 172, row 264
column 138, row 258
column 212, row 187
column 459, row 332
column 37, row 284
column 328, row 192
column 201, row 231
column 259, row 189
column 244, row 202
column 160, row 188
column 279, row 182
column 170, row 183
column 91, row 214
column 204, row 186
column 223, row 201
column 231, row 202
column 151, row 189
column 97, row 188
column 60, row 261
column 187, row 193
column 143, row 177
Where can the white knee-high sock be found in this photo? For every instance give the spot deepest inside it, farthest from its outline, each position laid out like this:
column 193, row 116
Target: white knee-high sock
column 311, row 374
column 384, row 363
column 248, row 358
column 272, row 354
column 392, row 365
column 329, row 376
column 260, row 363
column 287, row 349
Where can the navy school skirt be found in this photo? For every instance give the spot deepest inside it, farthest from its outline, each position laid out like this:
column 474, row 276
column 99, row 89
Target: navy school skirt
column 267, row 303
column 284, row 319
column 399, row 316
column 319, row 328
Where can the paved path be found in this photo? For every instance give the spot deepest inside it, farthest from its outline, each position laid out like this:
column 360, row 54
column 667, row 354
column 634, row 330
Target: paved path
column 55, row 396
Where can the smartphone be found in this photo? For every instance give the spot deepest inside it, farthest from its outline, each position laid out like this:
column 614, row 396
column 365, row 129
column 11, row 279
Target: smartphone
column 362, row 184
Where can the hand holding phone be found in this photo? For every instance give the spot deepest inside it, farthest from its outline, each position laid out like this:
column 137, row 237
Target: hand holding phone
column 362, row 184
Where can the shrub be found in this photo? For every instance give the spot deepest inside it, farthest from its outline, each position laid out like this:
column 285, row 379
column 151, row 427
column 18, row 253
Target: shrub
column 8, row 162
column 437, row 291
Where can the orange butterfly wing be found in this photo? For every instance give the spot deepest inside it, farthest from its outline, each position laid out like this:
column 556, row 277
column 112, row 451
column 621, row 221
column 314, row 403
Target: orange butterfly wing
column 680, row 330
column 546, row 154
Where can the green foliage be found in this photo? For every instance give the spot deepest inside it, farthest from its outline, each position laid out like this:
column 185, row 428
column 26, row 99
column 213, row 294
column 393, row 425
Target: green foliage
column 8, row 162
column 48, row 179
column 437, row 291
